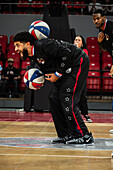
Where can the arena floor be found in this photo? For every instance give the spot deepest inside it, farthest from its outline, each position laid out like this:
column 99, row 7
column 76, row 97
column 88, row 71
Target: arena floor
column 25, row 143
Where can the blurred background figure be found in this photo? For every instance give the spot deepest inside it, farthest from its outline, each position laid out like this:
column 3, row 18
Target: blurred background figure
column 108, row 8
column 94, row 5
column 10, row 77
column 83, row 106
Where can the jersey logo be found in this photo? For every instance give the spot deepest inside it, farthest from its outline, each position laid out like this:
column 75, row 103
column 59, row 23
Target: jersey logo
column 41, row 60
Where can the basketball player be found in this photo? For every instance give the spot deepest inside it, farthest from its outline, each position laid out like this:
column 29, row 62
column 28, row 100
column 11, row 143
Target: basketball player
column 67, row 67
column 105, row 36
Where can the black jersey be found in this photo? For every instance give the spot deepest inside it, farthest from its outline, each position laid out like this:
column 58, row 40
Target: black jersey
column 107, row 43
column 56, row 55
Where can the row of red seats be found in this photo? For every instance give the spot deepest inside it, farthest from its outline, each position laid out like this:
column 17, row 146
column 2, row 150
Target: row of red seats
column 94, row 82
column 39, row 4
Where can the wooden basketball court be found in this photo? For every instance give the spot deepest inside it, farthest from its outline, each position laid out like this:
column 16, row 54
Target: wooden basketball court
column 25, row 144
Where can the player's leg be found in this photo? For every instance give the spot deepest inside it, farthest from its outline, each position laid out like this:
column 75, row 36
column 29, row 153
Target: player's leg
column 57, row 113
column 83, row 106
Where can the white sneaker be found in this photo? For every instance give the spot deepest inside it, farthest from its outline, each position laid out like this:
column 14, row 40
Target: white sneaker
column 111, row 131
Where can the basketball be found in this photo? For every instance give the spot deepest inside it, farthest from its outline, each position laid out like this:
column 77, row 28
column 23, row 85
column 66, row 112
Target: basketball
column 39, row 29
column 34, row 79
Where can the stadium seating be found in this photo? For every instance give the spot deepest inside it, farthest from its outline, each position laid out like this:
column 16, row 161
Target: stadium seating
column 106, row 57
column 4, row 43
column 92, row 41
column 23, row 3
column 107, row 82
column 93, row 49
column 94, row 66
column 23, row 67
column 94, row 81
column 37, row 4
column 67, row 3
column 94, row 58
column 16, row 58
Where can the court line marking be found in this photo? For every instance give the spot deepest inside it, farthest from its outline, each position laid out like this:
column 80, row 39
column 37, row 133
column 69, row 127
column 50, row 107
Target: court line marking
column 32, row 148
column 65, row 156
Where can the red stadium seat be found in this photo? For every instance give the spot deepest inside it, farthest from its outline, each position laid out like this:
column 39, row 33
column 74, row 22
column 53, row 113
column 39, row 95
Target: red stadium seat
column 3, row 43
column 94, row 66
column 107, row 82
column 37, row 4
column 25, row 64
column 79, row 4
column 10, row 40
column 16, row 58
column 22, row 84
column 106, row 65
column 106, row 57
column 4, row 38
column 4, row 47
column 93, row 81
column 93, row 49
column 68, row 3
column 94, row 58
column 23, row 67
column 23, row 3
column 11, row 48
column 92, row 41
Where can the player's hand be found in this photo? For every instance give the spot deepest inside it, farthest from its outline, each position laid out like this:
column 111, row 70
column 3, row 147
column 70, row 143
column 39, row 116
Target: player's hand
column 100, row 37
column 51, row 77
column 111, row 71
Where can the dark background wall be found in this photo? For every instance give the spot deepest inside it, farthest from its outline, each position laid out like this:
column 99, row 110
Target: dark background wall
column 11, row 24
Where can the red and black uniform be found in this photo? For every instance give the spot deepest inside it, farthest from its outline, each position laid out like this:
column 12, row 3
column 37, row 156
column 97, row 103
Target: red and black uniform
column 71, row 64
column 107, row 43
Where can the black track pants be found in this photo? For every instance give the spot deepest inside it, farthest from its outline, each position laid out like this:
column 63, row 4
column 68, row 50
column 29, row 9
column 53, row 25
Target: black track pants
column 64, row 98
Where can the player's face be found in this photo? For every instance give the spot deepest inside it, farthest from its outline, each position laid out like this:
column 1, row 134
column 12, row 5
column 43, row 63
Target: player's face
column 78, row 41
column 20, row 48
column 98, row 20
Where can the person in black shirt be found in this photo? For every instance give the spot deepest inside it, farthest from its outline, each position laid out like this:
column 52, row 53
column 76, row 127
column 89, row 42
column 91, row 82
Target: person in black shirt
column 67, row 67
column 10, row 76
column 105, row 36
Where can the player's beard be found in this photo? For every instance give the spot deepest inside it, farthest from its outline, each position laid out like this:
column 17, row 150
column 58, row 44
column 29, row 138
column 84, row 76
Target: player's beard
column 25, row 54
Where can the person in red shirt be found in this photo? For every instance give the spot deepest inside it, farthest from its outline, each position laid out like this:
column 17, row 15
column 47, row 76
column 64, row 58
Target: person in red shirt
column 79, row 41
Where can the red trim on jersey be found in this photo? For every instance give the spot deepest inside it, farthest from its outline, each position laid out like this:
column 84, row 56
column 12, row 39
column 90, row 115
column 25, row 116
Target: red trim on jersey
column 78, row 74
column 105, row 25
column 86, row 51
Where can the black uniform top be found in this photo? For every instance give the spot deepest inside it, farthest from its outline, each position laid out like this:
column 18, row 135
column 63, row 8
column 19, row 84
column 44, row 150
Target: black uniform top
column 10, row 72
column 56, row 55
column 107, row 43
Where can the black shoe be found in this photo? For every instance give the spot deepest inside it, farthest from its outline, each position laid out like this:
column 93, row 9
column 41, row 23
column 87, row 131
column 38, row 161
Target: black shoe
column 88, row 119
column 87, row 139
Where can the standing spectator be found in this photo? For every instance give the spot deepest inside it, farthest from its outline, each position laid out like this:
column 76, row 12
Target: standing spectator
column 108, row 7
column 94, row 5
column 105, row 36
column 10, row 76
column 80, row 42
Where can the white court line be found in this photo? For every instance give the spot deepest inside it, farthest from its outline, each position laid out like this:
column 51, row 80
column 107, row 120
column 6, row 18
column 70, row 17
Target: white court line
column 30, row 132
column 64, row 156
